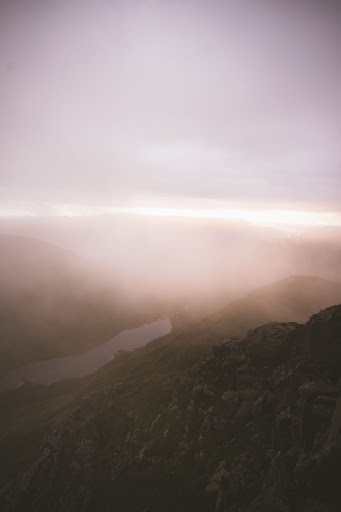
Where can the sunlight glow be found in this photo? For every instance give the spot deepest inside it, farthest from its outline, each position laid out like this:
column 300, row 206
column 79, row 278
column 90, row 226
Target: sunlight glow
column 258, row 217
column 270, row 217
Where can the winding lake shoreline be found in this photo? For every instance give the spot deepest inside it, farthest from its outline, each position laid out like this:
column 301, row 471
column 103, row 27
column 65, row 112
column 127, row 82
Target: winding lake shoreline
column 80, row 365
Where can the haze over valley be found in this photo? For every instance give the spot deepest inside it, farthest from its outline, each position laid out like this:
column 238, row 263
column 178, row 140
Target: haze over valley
column 170, row 256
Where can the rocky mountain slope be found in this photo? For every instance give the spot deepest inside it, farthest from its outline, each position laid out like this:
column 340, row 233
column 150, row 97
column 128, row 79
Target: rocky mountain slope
column 256, row 427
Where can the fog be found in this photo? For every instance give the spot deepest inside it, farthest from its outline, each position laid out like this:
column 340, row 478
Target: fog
column 188, row 261
column 162, row 155
column 167, row 103
column 169, row 185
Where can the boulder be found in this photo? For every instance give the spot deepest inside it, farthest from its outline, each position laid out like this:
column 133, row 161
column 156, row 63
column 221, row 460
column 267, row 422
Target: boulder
column 271, row 343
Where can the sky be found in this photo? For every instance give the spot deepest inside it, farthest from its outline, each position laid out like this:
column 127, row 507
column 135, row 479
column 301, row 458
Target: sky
column 171, row 106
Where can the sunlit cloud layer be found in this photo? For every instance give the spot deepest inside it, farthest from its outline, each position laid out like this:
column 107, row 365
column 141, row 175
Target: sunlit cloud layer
column 110, row 102
column 268, row 217
column 258, row 217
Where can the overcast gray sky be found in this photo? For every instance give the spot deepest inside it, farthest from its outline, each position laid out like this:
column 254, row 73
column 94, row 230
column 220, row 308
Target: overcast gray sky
column 169, row 102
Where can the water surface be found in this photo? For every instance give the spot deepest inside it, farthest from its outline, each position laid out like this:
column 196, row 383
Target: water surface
column 80, row 365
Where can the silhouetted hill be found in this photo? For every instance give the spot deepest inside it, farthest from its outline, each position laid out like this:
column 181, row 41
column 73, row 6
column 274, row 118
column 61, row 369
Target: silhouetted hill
column 293, row 299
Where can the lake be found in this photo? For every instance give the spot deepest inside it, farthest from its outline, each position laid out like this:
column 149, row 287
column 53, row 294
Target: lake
column 79, row 365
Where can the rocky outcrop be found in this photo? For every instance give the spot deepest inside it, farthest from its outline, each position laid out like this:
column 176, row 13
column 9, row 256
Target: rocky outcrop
column 254, row 428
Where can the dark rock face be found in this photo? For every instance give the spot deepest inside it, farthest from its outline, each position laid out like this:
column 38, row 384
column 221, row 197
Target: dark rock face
column 323, row 339
column 270, row 342
column 254, row 428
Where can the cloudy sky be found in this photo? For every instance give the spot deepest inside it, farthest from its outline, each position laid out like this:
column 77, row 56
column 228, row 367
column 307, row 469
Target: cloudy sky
column 168, row 103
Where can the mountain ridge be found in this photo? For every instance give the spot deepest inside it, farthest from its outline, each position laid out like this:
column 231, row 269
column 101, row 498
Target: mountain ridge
column 253, row 428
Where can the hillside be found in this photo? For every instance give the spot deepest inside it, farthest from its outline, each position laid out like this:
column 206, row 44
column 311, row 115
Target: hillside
column 253, row 428
column 293, row 299
column 32, row 410
column 53, row 303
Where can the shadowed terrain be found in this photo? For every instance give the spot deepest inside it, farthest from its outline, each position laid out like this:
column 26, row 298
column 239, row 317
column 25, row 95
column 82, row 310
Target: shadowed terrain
column 254, row 427
column 170, row 420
